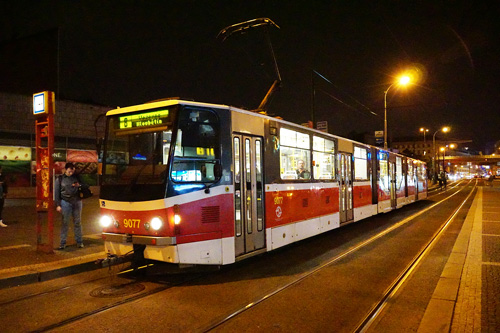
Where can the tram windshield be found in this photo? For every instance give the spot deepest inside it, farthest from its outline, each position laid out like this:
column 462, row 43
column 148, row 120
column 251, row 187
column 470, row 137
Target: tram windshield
column 138, row 159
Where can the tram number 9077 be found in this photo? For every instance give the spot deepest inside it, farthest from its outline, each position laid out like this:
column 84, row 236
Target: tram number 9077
column 131, row 223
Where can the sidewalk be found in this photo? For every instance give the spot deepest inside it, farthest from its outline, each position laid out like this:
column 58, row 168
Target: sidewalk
column 467, row 296
column 20, row 263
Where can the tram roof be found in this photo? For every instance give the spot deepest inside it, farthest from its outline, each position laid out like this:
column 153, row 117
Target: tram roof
column 159, row 104
column 176, row 101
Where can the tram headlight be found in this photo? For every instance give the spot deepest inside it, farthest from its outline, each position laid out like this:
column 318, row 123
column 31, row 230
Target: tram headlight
column 177, row 215
column 177, row 219
column 156, row 223
column 105, row 221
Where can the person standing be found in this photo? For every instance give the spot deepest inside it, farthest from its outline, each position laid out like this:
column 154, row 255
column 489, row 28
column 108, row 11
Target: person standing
column 3, row 195
column 69, row 204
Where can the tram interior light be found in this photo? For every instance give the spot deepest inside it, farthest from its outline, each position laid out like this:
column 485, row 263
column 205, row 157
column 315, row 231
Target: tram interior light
column 105, row 221
column 156, row 223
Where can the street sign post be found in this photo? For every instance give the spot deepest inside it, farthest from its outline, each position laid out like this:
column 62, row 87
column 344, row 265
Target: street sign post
column 43, row 110
column 379, row 137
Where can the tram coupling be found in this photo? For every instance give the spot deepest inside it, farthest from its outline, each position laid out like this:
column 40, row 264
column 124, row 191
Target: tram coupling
column 136, row 257
column 113, row 259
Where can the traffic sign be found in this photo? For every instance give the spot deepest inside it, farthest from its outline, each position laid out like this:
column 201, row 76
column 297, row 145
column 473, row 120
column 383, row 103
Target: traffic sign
column 322, row 126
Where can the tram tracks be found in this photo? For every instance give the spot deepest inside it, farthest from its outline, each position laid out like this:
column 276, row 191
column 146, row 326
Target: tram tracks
column 398, row 283
column 129, row 299
column 131, row 278
column 378, row 307
column 233, row 314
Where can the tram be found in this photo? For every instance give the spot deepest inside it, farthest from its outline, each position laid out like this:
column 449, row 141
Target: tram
column 185, row 182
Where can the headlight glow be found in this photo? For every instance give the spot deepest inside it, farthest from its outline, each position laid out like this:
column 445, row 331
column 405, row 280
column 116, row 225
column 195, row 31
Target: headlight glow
column 105, row 221
column 156, row 223
column 177, row 219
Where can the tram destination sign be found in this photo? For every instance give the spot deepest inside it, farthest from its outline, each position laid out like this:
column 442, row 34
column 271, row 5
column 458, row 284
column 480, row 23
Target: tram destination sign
column 146, row 119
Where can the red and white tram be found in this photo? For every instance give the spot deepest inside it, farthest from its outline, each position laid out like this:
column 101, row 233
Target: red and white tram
column 194, row 183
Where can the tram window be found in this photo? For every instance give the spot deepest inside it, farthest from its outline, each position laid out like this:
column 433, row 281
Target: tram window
column 258, row 174
column 323, row 158
column 384, row 172
column 360, row 163
column 411, row 173
column 197, row 148
column 294, row 148
column 399, row 172
column 237, row 188
column 237, row 168
column 421, row 172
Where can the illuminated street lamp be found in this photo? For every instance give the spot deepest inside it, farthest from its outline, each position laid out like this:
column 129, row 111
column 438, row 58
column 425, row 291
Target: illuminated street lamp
column 444, row 129
column 424, row 130
column 451, row 146
column 403, row 81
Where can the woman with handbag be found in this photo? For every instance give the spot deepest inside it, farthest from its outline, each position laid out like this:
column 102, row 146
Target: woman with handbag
column 69, row 204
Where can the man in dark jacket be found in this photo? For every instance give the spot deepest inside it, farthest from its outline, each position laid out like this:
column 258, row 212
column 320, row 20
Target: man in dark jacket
column 68, row 203
column 3, row 194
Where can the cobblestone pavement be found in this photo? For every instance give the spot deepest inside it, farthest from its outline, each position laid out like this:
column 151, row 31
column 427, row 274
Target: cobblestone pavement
column 490, row 291
column 478, row 303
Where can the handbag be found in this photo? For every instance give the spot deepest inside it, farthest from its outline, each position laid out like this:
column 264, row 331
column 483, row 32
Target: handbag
column 84, row 192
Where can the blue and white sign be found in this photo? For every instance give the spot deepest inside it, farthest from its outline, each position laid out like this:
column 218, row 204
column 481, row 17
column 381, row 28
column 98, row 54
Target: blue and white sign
column 39, row 103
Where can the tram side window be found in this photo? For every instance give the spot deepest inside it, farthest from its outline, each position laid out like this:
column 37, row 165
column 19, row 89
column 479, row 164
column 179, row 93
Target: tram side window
column 360, row 163
column 422, row 173
column 323, row 158
column 399, row 173
column 411, row 173
column 294, row 151
column 197, row 153
column 384, row 172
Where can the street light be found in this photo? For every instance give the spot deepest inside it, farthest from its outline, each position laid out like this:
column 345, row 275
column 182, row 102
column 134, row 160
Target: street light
column 424, row 130
column 443, row 150
column 444, row 129
column 403, row 81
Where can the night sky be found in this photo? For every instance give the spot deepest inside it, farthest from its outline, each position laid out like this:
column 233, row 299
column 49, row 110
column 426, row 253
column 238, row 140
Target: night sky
column 119, row 53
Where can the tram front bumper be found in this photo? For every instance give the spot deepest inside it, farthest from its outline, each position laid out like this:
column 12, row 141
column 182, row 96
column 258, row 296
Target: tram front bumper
column 157, row 248
column 136, row 239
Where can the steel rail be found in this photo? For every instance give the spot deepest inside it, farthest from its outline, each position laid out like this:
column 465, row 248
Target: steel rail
column 53, row 291
column 114, row 305
column 328, row 263
column 396, row 285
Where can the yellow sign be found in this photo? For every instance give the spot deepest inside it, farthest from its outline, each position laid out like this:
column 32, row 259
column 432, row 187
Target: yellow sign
column 205, row 151
column 43, row 103
column 144, row 119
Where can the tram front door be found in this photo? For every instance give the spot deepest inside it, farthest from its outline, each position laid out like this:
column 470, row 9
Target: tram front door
column 345, row 187
column 248, row 194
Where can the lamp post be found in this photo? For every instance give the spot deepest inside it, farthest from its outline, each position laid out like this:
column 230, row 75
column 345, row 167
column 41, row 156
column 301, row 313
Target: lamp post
column 403, row 80
column 444, row 129
column 450, row 147
column 443, row 149
column 424, row 130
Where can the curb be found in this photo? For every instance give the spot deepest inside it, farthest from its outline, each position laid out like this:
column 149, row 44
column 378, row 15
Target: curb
column 48, row 271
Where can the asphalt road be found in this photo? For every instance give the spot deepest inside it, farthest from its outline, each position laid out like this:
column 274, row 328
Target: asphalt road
column 291, row 289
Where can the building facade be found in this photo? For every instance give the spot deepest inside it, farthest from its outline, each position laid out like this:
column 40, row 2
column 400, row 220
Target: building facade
column 75, row 137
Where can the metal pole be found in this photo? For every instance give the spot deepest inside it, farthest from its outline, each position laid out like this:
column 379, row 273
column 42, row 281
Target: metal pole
column 385, row 116
column 313, row 97
column 444, row 154
column 425, row 148
column 434, row 155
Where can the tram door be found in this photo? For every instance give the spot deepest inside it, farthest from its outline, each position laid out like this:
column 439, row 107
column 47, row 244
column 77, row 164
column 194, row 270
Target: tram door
column 248, row 194
column 392, row 180
column 345, row 187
